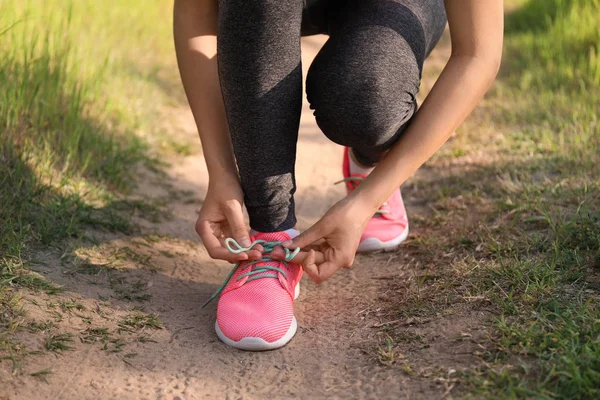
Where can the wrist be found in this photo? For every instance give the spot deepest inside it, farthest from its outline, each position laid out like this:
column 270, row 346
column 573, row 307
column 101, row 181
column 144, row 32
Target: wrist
column 223, row 179
column 222, row 171
column 362, row 205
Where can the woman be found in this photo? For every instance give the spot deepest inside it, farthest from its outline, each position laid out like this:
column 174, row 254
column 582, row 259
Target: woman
column 362, row 86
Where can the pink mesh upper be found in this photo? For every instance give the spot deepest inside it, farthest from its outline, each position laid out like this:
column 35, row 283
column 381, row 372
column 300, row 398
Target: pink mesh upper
column 261, row 308
column 387, row 226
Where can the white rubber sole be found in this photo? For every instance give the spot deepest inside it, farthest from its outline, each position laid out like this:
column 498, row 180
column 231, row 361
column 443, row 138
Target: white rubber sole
column 258, row 344
column 374, row 244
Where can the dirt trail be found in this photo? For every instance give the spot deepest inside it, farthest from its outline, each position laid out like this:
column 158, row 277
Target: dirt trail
column 335, row 353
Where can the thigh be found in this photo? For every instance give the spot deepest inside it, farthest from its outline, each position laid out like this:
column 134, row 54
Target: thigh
column 364, row 81
column 386, row 24
column 375, row 51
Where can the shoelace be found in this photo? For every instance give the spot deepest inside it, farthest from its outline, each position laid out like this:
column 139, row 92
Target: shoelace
column 253, row 273
column 354, row 179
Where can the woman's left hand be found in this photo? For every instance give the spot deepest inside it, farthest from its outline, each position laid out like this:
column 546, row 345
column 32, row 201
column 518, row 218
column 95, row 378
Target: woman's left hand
column 331, row 243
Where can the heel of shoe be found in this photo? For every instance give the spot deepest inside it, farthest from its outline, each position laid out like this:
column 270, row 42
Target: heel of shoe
column 373, row 244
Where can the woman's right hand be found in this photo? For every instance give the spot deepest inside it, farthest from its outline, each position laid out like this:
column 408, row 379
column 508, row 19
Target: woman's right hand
column 221, row 217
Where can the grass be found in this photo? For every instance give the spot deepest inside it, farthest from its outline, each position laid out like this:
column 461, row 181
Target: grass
column 13, row 274
column 129, row 254
column 139, row 320
column 386, row 353
column 69, row 305
column 562, row 45
column 522, row 203
column 80, row 107
column 95, row 335
column 110, row 343
column 131, row 291
column 11, row 313
column 72, row 114
column 546, row 337
column 44, row 326
column 546, row 263
column 59, row 342
column 42, row 374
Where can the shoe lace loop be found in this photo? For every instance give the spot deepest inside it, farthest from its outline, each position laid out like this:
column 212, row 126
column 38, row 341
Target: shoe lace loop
column 354, row 181
column 257, row 272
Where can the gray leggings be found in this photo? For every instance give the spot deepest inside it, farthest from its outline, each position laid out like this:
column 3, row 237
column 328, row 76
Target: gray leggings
column 362, row 85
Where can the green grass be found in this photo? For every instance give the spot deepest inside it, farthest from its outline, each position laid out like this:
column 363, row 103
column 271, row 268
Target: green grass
column 525, row 220
column 95, row 335
column 126, row 290
column 11, row 313
column 516, row 220
column 558, row 41
column 59, row 342
column 547, row 336
column 81, row 109
column 45, row 326
column 139, row 320
column 79, row 106
column 110, row 343
column 42, row 374
column 69, row 305
column 75, row 101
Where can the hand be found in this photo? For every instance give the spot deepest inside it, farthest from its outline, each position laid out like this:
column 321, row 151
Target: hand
column 333, row 240
column 221, row 217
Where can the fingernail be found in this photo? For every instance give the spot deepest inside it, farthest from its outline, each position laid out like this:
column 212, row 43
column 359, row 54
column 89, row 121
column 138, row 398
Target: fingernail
column 245, row 242
column 287, row 243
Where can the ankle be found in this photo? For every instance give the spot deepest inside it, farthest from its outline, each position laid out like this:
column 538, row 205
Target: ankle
column 292, row 232
column 356, row 167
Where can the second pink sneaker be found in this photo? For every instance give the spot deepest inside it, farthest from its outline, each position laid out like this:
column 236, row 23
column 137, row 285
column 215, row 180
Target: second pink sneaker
column 389, row 226
column 256, row 307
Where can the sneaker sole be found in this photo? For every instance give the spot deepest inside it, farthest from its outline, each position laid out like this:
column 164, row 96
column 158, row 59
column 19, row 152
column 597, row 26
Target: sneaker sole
column 373, row 244
column 259, row 344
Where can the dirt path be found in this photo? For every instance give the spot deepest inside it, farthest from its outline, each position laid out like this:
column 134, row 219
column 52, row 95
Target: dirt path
column 338, row 352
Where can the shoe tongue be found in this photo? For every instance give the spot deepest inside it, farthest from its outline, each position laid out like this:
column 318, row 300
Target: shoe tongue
column 272, row 236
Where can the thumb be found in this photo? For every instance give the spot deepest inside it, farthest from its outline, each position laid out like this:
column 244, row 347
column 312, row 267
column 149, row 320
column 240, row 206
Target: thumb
column 235, row 218
column 306, row 238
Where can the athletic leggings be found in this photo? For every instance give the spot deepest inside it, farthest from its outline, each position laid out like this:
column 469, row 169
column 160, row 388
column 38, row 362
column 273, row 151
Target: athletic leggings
column 362, row 85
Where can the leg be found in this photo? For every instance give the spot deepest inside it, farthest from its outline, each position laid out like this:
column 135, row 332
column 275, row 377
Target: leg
column 261, row 82
column 364, row 82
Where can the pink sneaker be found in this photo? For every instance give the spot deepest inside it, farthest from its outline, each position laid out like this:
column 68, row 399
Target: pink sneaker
column 256, row 308
column 389, row 226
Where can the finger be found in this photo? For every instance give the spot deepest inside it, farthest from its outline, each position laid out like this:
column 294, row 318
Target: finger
column 303, row 257
column 278, row 253
column 254, row 254
column 306, row 238
column 214, row 246
column 310, row 266
column 319, row 273
column 235, row 217
column 220, row 253
column 315, row 246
